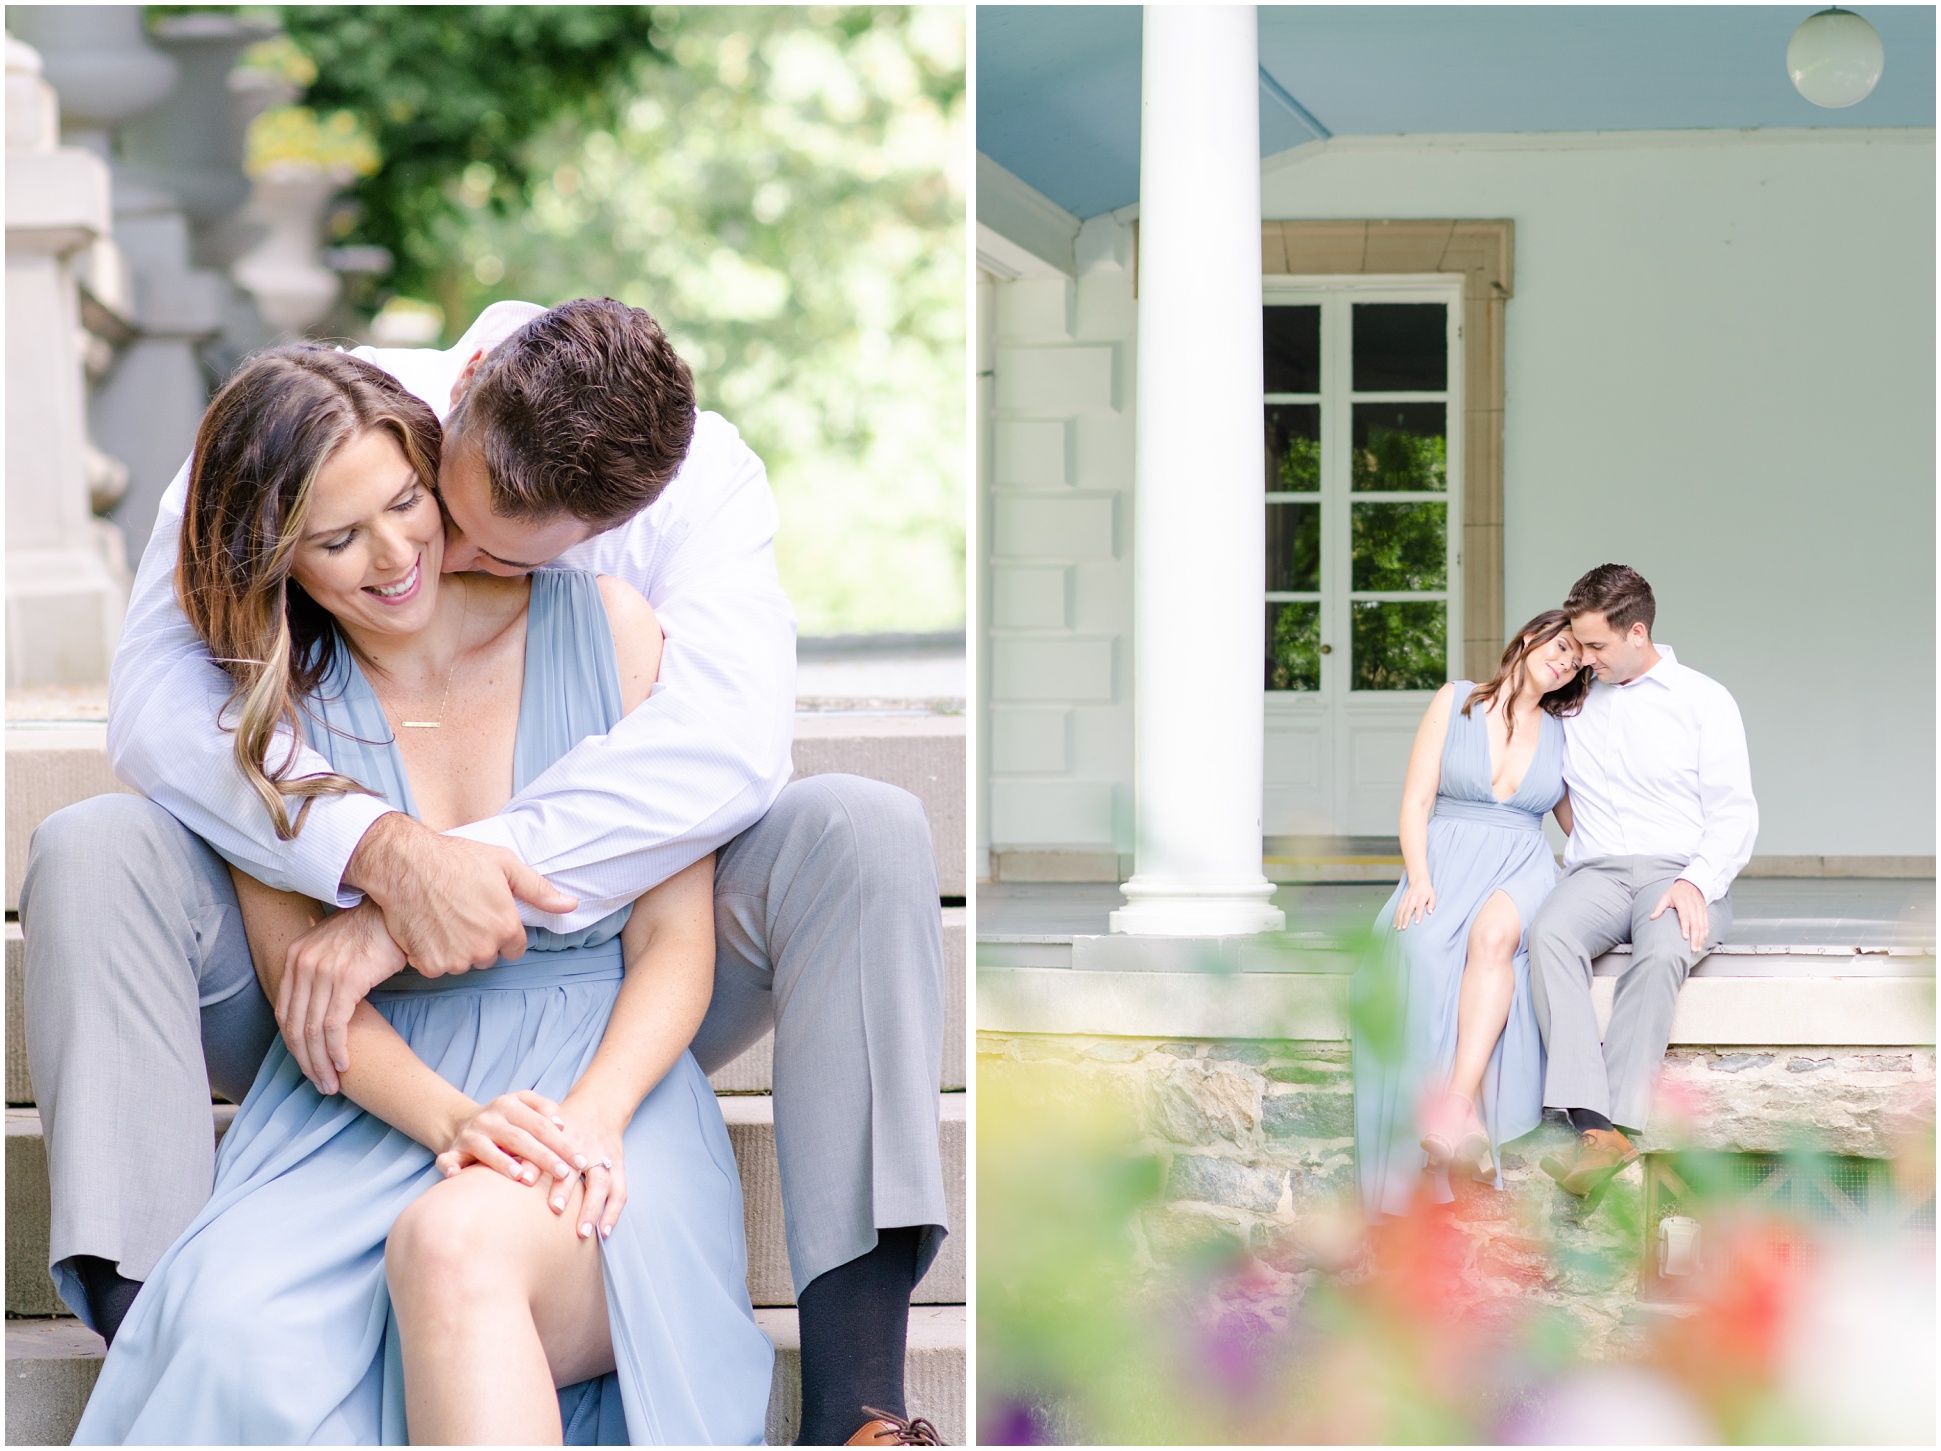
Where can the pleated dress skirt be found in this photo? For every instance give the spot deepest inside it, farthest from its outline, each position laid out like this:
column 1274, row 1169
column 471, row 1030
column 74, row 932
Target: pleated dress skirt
column 1405, row 995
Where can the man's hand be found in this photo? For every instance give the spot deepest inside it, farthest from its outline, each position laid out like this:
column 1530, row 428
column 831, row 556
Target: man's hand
column 326, row 973
column 1694, row 920
column 447, row 902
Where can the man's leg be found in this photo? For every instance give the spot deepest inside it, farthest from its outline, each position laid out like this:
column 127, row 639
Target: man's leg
column 135, row 963
column 828, row 926
column 1647, row 992
column 1586, row 914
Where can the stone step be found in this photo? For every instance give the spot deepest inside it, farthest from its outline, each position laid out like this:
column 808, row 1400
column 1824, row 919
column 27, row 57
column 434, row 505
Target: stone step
column 750, row 1073
column 52, row 764
column 52, row 1365
column 751, row 1128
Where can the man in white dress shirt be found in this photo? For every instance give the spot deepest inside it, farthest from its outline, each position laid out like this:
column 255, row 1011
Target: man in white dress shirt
column 1663, row 820
column 572, row 437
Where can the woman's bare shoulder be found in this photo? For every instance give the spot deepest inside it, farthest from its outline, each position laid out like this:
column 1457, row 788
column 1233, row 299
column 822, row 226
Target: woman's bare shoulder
column 637, row 638
column 627, row 607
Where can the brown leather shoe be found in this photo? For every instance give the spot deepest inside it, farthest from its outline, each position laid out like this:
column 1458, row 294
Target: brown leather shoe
column 888, row 1430
column 1597, row 1155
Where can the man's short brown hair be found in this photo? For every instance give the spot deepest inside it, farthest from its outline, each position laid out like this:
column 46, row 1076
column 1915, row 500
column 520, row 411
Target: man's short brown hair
column 587, row 410
column 1617, row 592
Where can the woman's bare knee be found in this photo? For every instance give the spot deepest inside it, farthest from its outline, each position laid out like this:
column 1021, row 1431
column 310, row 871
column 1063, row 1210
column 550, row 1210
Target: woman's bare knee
column 444, row 1242
column 1493, row 937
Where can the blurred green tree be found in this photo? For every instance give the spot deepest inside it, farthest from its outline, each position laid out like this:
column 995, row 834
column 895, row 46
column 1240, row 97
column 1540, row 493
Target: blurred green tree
column 447, row 88
column 781, row 186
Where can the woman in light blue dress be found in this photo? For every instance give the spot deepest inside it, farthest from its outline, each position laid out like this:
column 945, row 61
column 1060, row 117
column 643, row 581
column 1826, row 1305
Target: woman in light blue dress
column 410, row 1255
column 1447, row 1057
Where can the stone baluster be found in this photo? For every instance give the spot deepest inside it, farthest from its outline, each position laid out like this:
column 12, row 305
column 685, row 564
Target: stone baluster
column 145, row 410
column 292, row 288
column 1198, row 728
column 64, row 593
column 192, row 146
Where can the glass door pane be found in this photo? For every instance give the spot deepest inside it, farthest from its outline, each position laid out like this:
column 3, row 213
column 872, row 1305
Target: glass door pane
column 1294, row 495
column 1398, row 547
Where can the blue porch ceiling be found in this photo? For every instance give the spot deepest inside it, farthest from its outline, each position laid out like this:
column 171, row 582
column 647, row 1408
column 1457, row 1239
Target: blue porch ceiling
column 1058, row 85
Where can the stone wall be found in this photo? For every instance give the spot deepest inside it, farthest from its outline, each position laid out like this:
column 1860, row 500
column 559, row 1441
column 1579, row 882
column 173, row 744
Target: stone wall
column 1255, row 1143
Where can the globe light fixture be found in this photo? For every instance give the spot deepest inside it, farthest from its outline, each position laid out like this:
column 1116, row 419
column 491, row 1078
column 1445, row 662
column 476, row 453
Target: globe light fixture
column 1835, row 58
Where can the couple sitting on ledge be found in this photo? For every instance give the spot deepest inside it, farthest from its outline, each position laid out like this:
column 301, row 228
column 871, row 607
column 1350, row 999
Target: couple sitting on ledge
column 1474, row 1011
column 515, row 856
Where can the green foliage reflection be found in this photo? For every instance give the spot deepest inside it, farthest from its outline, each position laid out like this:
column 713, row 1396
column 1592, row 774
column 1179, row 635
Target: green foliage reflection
column 1293, row 547
column 1400, row 546
column 1400, row 646
column 1294, row 645
column 1300, row 466
column 1392, row 460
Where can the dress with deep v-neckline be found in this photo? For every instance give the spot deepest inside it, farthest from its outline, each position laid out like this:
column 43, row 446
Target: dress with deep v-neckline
column 268, row 1322
column 1478, row 845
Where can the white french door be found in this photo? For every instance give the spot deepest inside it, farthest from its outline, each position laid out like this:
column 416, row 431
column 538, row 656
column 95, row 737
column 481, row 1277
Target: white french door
column 1363, row 415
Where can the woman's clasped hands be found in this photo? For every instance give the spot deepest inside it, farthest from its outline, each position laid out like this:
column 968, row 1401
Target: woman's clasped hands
column 527, row 1137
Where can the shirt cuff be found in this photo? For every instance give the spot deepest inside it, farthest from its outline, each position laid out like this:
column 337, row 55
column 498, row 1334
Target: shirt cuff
column 1705, row 880
column 329, row 839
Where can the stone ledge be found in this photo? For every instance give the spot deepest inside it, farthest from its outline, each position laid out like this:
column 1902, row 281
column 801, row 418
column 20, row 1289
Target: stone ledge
column 1834, row 1011
column 1323, row 953
column 1294, row 865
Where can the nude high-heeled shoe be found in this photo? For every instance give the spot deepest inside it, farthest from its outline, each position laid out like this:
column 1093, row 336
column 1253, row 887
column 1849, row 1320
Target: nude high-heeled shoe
column 1473, row 1155
column 1455, row 1139
column 1443, row 1128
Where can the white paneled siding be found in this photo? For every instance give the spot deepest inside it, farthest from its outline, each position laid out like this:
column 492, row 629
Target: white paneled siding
column 1057, row 707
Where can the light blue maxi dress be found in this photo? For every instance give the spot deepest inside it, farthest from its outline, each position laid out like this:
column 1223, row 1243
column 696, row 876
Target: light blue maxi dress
column 1405, row 993
column 268, row 1321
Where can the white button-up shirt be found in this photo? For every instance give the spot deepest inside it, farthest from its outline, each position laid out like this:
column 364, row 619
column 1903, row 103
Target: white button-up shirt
column 1658, row 767
column 694, row 765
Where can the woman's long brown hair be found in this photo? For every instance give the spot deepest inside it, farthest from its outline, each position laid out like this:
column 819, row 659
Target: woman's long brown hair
column 1508, row 682
column 268, row 433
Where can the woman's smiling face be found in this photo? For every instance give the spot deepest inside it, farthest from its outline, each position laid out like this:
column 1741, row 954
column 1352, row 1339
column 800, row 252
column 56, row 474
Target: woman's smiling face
column 374, row 539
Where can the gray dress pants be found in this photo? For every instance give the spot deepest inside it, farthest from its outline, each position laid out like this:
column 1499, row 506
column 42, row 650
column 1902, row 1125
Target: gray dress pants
column 141, row 997
column 1594, row 906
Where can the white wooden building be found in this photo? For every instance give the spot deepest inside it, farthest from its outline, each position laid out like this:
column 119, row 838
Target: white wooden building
column 1536, row 289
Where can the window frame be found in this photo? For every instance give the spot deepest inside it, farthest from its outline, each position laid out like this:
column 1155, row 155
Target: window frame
column 1337, row 400
column 1480, row 252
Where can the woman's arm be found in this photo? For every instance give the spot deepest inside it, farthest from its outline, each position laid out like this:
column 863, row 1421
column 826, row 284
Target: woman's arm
column 385, row 1077
column 669, row 948
column 1418, row 802
column 1562, row 811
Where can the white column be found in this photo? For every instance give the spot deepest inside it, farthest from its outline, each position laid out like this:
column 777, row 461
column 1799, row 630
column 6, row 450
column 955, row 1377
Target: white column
column 1199, row 572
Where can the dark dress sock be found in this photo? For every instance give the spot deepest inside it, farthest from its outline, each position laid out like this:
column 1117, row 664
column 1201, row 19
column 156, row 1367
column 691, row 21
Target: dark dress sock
column 109, row 1293
column 1587, row 1118
column 855, row 1321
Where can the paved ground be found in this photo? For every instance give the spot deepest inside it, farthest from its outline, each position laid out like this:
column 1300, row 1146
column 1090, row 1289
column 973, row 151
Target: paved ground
column 1768, row 911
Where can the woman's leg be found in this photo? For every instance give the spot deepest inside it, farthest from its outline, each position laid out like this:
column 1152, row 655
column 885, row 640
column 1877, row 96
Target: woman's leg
column 1488, row 984
column 499, row 1302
